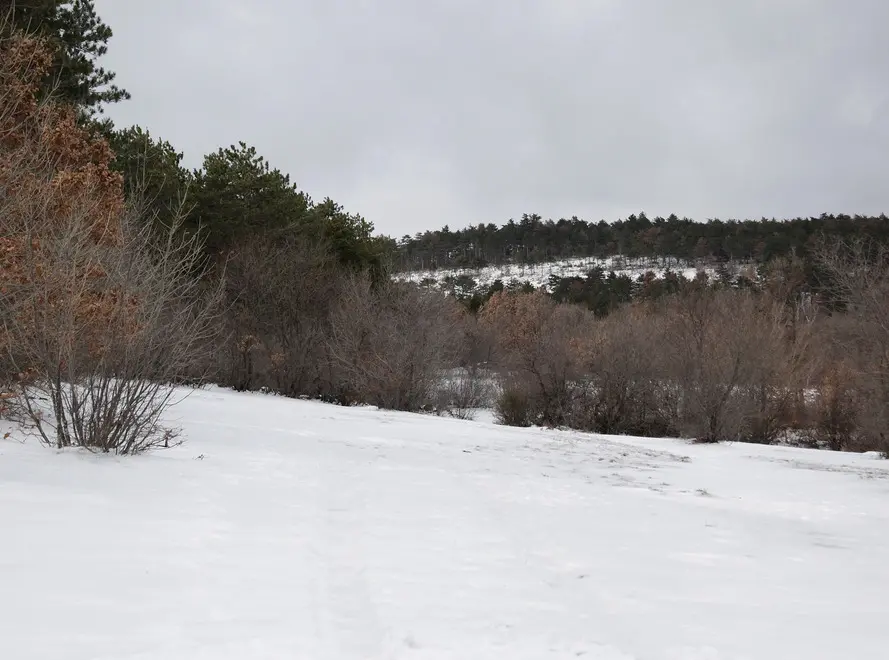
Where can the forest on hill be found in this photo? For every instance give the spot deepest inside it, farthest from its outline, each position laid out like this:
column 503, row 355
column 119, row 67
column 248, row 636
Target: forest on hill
column 534, row 240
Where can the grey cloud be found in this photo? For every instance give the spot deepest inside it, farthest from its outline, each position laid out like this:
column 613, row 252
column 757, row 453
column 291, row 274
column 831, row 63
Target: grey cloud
column 418, row 114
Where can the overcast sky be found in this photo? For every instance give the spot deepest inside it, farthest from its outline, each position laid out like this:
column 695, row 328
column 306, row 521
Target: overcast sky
column 420, row 113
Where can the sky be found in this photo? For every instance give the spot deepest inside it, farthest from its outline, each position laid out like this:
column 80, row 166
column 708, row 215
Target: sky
column 418, row 114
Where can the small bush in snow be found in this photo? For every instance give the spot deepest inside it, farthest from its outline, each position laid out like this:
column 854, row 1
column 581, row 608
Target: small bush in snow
column 463, row 392
column 514, row 407
column 103, row 383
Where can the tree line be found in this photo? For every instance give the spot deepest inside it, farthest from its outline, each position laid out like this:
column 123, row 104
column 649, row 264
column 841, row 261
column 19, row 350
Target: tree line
column 122, row 273
column 534, row 240
column 233, row 195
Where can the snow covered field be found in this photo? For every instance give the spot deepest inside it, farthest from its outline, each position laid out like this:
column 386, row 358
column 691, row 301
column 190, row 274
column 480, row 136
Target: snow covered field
column 292, row 529
column 539, row 274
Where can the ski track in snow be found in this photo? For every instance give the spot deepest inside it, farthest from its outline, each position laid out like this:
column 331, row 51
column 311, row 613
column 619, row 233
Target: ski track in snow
column 293, row 529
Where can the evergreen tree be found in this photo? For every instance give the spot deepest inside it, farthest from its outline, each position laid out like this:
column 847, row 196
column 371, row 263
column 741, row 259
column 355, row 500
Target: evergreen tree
column 238, row 194
column 78, row 37
column 669, row 239
column 152, row 172
column 350, row 237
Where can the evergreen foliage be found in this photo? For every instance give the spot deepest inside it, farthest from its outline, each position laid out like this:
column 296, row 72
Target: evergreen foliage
column 534, row 240
column 78, row 38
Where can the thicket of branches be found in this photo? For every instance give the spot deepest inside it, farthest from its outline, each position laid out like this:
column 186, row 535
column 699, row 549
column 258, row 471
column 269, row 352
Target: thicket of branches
column 300, row 324
column 99, row 311
column 715, row 364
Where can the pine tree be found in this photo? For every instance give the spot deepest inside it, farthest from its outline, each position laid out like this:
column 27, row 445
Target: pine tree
column 78, row 38
column 237, row 194
column 152, row 172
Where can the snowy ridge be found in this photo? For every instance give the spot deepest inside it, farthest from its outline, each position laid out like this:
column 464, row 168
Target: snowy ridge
column 539, row 274
column 298, row 530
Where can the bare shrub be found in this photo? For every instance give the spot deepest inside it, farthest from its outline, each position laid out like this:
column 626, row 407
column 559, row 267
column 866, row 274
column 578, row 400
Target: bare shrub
column 836, row 409
column 628, row 391
column 470, row 386
column 280, row 289
column 537, row 349
column 784, row 329
column 514, row 406
column 103, row 330
column 8, row 374
column 714, row 360
column 783, row 363
column 390, row 344
column 741, row 363
column 858, row 273
column 463, row 392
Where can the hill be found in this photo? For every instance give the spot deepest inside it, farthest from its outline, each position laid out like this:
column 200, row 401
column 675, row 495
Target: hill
column 534, row 240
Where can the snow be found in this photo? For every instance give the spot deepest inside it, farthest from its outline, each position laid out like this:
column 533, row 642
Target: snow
column 293, row 529
column 539, row 274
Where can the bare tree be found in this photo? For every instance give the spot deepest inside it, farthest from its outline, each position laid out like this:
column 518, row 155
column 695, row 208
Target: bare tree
column 837, row 408
column 281, row 289
column 390, row 344
column 713, row 361
column 858, row 273
column 783, row 365
column 470, row 386
column 537, row 352
column 628, row 388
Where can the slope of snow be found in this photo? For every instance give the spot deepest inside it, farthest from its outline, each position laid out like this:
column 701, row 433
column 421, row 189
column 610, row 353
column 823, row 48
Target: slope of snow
column 539, row 274
column 290, row 529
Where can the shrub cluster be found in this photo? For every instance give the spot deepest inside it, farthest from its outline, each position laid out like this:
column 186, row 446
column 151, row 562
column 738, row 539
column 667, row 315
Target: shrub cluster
column 713, row 364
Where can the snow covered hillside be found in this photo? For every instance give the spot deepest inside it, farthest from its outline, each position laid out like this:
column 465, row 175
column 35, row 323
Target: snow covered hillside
column 293, row 529
column 539, row 274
